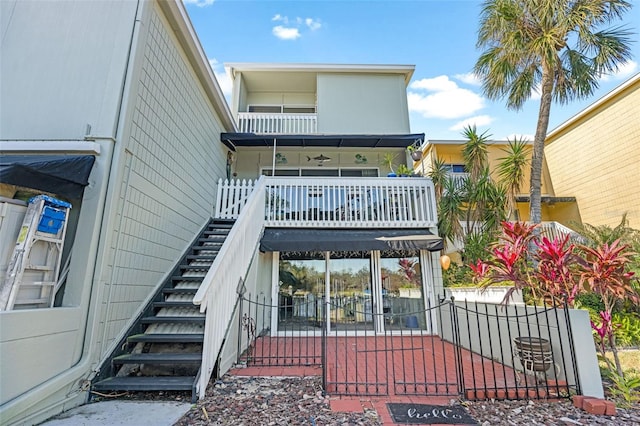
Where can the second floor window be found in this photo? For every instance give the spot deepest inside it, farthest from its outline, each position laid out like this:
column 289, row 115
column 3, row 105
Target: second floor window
column 455, row 168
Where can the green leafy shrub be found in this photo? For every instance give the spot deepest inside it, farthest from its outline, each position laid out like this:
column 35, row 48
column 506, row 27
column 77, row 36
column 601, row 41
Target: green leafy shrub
column 626, row 390
column 626, row 329
column 475, row 246
column 590, row 301
column 457, row 276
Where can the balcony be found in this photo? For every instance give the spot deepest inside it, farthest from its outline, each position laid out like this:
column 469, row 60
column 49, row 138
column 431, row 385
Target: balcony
column 274, row 123
column 335, row 202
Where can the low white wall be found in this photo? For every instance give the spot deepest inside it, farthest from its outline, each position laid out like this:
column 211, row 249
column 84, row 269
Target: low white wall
column 493, row 294
column 257, row 283
column 489, row 329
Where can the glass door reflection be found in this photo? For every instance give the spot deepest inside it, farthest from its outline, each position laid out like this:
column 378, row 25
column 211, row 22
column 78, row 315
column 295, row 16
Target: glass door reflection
column 350, row 294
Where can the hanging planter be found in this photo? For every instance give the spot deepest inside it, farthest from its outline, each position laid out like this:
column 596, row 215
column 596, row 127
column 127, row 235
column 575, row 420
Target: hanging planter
column 415, row 151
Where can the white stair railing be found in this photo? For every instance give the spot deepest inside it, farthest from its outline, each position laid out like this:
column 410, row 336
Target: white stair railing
column 216, row 293
column 553, row 230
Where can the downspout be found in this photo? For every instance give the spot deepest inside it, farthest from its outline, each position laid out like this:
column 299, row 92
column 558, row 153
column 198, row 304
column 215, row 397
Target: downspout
column 72, row 375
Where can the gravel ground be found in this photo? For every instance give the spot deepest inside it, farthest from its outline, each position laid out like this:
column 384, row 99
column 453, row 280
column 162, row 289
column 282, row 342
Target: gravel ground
column 512, row 413
column 242, row 401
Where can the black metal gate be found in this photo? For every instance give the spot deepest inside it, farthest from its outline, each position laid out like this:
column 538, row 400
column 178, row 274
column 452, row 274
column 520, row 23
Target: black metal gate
column 450, row 349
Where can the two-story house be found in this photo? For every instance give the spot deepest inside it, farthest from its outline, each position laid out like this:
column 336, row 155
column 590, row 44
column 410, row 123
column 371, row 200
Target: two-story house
column 186, row 210
column 148, row 117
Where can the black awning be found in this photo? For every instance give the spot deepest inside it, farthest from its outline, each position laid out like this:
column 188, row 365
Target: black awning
column 63, row 175
column 304, row 239
column 233, row 140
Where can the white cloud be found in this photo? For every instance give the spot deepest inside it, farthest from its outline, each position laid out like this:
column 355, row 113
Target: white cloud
column 469, row 78
column 199, row 3
column 285, row 33
column 447, row 100
column 224, row 80
column 290, row 28
column 478, row 121
column 313, row 24
column 624, row 71
column 436, row 84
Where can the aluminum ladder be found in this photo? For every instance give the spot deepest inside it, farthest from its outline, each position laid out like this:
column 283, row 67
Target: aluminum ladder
column 32, row 274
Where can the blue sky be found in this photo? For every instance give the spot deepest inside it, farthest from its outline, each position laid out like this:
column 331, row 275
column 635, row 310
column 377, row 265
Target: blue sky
column 438, row 37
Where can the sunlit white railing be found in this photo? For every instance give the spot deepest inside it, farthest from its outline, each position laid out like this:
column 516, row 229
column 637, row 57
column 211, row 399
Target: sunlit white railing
column 336, row 202
column 458, row 179
column 553, row 230
column 216, row 293
column 300, row 123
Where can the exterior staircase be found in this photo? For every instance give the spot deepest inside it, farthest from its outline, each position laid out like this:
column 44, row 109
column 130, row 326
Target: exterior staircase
column 163, row 349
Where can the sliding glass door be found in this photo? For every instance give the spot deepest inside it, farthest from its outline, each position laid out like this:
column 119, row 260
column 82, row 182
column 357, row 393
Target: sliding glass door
column 365, row 291
column 350, row 294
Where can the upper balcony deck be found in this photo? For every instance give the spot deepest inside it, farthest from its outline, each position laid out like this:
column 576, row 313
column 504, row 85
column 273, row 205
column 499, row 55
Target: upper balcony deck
column 336, row 202
column 274, row 123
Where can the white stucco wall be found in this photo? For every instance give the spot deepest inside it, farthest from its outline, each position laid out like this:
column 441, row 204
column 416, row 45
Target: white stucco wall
column 360, row 103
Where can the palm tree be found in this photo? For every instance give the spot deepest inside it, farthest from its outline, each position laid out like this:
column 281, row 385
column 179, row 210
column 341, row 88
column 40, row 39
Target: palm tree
column 598, row 235
column 450, row 211
column 555, row 47
column 511, row 171
column 438, row 174
column 475, row 151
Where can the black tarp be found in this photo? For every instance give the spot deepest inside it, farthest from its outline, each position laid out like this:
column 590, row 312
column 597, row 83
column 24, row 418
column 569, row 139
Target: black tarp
column 303, row 239
column 63, row 175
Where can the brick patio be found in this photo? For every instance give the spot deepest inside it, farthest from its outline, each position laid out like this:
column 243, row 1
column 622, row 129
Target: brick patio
column 368, row 372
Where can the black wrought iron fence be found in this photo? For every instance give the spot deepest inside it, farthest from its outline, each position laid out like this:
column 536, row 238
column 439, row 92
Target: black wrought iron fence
column 531, row 350
column 476, row 350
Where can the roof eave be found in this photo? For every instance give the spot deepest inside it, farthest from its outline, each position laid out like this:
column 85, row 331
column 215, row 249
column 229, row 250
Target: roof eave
column 179, row 20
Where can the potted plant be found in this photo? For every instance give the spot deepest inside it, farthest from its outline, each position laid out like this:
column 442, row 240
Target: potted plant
column 388, row 159
column 403, row 170
column 415, row 152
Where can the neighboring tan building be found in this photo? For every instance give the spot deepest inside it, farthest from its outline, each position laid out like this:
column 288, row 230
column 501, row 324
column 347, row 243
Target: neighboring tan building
column 555, row 207
column 595, row 157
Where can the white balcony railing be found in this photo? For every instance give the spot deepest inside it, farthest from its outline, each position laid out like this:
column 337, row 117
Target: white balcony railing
column 263, row 123
column 335, row 202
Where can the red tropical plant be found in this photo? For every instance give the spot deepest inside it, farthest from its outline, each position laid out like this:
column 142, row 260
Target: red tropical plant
column 549, row 273
column 557, row 271
column 408, row 267
column 604, row 273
